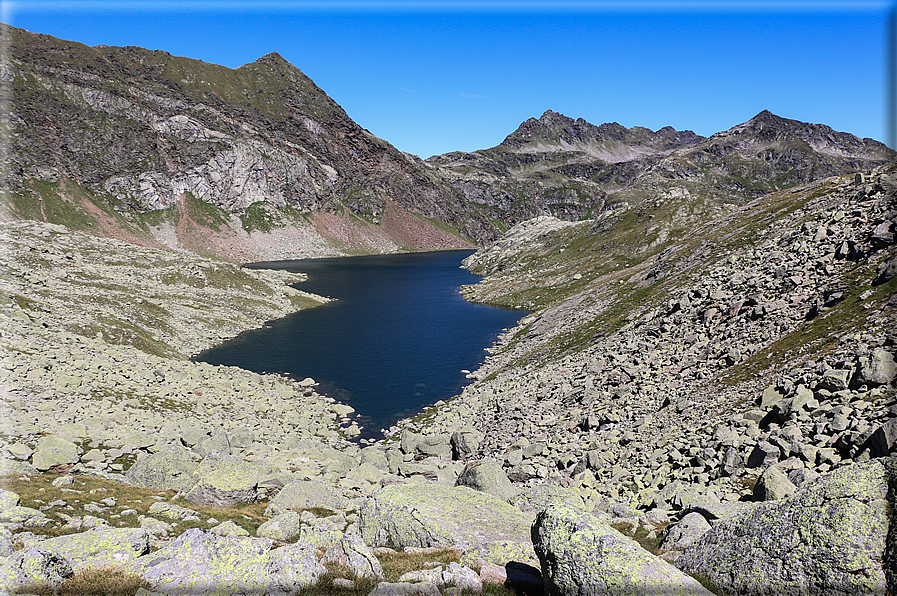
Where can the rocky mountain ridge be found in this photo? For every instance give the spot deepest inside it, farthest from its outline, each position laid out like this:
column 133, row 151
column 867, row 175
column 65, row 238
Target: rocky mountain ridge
column 261, row 145
column 258, row 163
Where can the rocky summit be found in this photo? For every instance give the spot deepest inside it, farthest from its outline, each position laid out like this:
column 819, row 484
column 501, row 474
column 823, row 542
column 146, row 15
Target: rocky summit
column 702, row 399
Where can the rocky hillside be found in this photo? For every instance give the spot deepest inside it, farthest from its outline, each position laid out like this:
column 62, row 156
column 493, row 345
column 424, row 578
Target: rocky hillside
column 776, row 321
column 121, row 141
column 572, row 170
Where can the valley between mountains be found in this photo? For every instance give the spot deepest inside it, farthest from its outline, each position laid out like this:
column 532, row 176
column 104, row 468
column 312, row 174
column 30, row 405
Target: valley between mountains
column 702, row 399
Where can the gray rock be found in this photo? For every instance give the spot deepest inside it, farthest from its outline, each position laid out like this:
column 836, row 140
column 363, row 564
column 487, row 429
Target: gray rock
column 284, row 527
column 229, row 528
column 6, row 544
column 884, row 440
column 100, row 547
column 802, row 476
column 536, row 498
column 886, row 272
column 582, row 555
column 8, row 499
column 218, row 441
column 465, row 441
column 685, row 532
column 773, row 485
column 436, row 445
column 770, row 396
column 487, row 476
column 878, row 369
column 55, row 454
column 732, row 462
column 353, row 553
column 828, row 538
column 409, row 441
column 763, row 454
column 198, row 562
column 170, row 468
column 14, row 466
column 172, row 511
column 33, row 566
column 304, row 494
column 223, row 480
column 433, row 515
column 459, row 578
column 834, row 379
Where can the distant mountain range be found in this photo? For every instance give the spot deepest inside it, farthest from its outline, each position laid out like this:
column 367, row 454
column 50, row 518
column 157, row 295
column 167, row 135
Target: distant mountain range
column 258, row 162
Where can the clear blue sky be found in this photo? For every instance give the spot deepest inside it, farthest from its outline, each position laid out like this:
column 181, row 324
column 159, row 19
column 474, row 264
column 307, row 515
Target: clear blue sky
column 439, row 76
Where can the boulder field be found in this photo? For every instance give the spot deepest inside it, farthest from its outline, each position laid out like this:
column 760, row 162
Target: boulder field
column 736, row 436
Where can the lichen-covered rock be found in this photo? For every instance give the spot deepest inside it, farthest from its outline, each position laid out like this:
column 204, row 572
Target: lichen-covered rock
column 14, row 466
column 8, row 499
column 197, row 562
column 229, row 528
column 284, row 527
column 33, row 565
column 54, row 453
column 353, row 553
column 487, row 476
column 500, row 552
column 223, row 480
column 171, row 468
column 773, row 485
column 425, row 515
column 19, row 514
column 172, row 511
column 583, row 556
column 684, row 533
column 303, row 494
column 6, row 544
column 100, row 547
column 536, row 498
column 828, row 538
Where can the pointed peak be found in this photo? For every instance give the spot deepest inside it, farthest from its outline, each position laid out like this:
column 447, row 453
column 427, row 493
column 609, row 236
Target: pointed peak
column 766, row 116
column 552, row 116
column 273, row 59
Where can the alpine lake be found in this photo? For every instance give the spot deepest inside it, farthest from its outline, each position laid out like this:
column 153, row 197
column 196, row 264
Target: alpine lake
column 397, row 337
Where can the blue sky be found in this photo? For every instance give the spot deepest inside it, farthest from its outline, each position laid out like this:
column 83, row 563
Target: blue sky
column 438, row 76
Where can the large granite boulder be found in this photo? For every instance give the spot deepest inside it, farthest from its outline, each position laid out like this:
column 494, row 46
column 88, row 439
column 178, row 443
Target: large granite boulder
column 304, row 494
column 878, row 368
column 534, row 499
column 351, row 552
column 171, row 468
column 284, row 527
column 773, row 485
column 55, row 454
column 428, row 515
column 685, row 532
column 583, row 556
column 33, row 566
column 828, row 538
column 8, row 499
column 100, row 547
column 486, row 475
column 465, row 441
column 223, row 480
column 198, row 562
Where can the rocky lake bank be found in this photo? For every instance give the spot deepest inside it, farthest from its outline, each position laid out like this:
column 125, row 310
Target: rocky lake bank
column 739, row 421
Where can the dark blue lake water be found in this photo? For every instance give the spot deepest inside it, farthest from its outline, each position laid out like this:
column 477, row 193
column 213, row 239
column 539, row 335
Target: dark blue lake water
column 395, row 340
